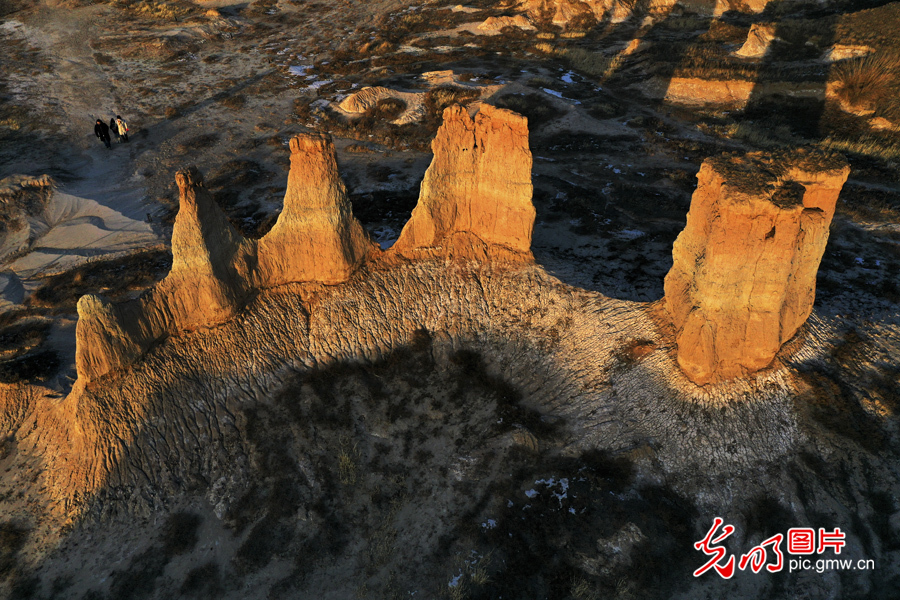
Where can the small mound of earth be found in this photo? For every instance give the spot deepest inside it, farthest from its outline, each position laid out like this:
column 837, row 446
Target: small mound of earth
column 368, row 98
column 840, row 52
column 759, row 40
column 496, row 24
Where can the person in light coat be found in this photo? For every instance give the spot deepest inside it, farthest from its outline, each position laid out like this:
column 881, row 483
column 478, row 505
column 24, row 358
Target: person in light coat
column 122, row 128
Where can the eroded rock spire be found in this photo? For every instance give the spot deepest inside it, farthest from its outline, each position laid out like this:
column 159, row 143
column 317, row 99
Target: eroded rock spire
column 316, row 237
column 214, row 269
column 476, row 195
column 744, row 274
column 211, row 261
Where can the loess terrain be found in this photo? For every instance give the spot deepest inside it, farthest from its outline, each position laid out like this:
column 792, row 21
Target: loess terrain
column 400, row 421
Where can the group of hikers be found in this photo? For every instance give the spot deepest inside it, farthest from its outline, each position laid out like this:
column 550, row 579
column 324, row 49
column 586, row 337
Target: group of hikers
column 116, row 125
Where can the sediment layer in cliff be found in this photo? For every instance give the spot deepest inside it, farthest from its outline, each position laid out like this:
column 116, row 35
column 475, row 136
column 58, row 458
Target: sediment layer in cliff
column 744, row 273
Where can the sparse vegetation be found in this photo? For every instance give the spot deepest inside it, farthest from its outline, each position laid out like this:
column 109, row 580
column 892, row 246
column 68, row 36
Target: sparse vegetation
column 203, row 582
column 440, row 97
column 348, row 457
column 235, row 101
column 595, row 64
column 864, row 83
column 12, row 538
column 179, row 534
column 155, row 9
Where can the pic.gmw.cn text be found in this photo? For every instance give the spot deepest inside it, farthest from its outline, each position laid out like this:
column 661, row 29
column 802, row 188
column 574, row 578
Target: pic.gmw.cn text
column 802, row 544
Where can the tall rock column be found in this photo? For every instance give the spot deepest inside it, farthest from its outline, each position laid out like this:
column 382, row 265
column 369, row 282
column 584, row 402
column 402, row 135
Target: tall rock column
column 744, row 274
column 316, row 237
column 478, row 185
column 211, row 261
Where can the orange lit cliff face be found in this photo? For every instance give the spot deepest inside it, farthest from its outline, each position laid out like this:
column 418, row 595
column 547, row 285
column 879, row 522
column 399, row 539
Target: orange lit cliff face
column 477, row 191
column 742, row 283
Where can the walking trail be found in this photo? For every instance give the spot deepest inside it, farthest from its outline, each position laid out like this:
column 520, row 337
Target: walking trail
column 104, row 211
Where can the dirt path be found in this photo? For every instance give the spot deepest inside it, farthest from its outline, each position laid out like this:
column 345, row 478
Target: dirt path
column 104, row 210
column 83, row 93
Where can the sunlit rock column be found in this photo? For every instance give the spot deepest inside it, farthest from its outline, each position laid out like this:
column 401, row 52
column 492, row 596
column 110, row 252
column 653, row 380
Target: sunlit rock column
column 207, row 285
column 211, row 261
column 478, row 189
column 316, row 237
column 744, row 274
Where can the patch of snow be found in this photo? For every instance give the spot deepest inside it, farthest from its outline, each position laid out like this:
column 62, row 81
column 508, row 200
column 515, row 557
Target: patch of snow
column 629, row 234
column 568, row 77
column 552, row 93
column 489, row 524
column 563, row 485
column 455, row 581
column 531, row 493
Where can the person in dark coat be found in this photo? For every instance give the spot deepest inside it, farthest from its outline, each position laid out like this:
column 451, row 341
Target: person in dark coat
column 113, row 127
column 102, row 131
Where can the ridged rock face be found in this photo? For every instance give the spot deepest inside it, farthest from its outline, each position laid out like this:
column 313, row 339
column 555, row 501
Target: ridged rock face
column 476, row 195
column 211, row 261
column 564, row 12
column 316, row 237
column 498, row 23
column 744, row 273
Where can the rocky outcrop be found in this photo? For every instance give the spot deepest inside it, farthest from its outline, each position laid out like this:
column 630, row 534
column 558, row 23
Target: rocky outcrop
column 316, row 237
column 22, row 196
column 208, row 283
column 214, row 269
column 732, row 93
column 744, row 273
column 109, row 336
column 367, row 98
column 475, row 198
column 475, row 202
column 759, row 40
column 839, row 52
